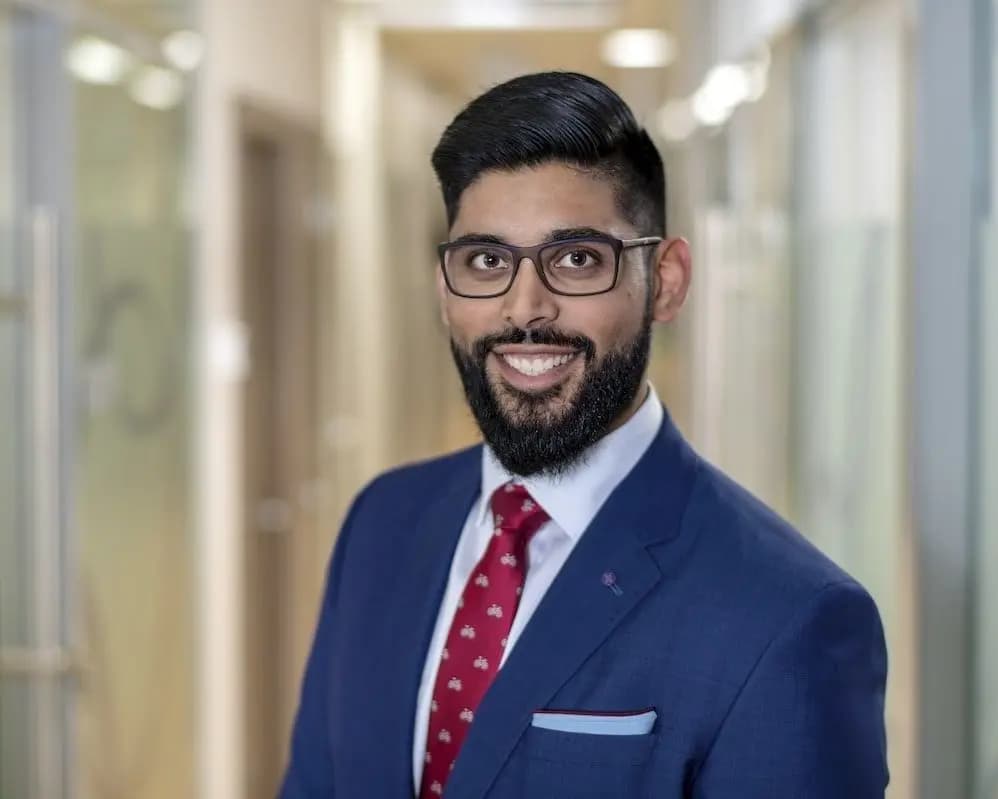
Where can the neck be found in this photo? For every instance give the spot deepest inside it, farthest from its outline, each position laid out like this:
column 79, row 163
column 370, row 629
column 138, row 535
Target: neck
column 631, row 409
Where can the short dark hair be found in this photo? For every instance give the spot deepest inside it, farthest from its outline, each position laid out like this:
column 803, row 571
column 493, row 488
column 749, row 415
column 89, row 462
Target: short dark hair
column 555, row 116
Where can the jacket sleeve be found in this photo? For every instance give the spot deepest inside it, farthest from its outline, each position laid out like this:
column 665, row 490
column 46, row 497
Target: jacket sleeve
column 809, row 720
column 310, row 768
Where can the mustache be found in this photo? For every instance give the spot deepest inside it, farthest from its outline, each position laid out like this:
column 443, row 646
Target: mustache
column 543, row 335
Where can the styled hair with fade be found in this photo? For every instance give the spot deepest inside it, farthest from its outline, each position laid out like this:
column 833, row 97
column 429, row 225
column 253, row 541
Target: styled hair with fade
column 555, row 116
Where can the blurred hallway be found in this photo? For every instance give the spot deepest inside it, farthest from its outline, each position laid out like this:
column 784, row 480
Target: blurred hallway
column 212, row 336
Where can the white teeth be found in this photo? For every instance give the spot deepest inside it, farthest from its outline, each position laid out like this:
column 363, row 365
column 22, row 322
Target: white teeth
column 536, row 366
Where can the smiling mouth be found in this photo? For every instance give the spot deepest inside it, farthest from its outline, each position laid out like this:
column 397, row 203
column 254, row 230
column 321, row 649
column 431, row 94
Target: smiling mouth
column 535, row 365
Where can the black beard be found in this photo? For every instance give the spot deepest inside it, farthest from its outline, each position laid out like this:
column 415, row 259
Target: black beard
column 532, row 438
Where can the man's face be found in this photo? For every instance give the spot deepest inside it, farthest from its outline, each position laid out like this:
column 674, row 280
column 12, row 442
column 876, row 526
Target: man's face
column 548, row 375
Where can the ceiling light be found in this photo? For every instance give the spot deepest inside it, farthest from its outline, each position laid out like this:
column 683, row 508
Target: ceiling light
column 725, row 86
column 184, row 49
column 635, row 48
column 757, row 69
column 94, row 60
column 489, row 14
column 156, row 87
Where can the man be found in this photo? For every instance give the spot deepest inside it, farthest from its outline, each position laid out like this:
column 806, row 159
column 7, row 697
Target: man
column 581, row 607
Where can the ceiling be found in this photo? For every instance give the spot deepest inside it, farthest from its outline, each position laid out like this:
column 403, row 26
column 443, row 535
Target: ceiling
column 154, row 17
column 464, row 61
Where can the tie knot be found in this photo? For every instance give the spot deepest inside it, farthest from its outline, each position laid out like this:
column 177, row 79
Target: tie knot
column 514, row 510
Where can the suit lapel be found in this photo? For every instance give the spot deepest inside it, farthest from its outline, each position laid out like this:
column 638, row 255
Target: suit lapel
column 579, row 610
column 419, row 590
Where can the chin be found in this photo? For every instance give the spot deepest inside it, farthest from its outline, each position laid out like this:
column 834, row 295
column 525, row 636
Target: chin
column 529, row 408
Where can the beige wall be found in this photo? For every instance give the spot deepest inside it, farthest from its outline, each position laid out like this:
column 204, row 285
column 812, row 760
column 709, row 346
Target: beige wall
column 390, row 391
column 268, row 54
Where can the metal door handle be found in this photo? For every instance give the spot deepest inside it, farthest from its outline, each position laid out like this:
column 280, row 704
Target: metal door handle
column 48, row 504
column 46, row 438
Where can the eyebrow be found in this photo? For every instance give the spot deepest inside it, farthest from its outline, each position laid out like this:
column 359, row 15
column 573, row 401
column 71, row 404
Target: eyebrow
column 558, row 234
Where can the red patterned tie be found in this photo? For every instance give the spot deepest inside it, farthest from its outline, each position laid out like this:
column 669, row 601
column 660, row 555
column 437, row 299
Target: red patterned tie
column 477, row 636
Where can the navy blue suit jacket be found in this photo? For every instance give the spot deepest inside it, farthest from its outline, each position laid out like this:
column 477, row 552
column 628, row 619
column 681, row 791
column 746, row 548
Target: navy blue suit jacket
column 764, row 661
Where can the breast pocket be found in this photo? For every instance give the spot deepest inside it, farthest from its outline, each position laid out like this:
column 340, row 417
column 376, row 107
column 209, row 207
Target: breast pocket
column 575, row 764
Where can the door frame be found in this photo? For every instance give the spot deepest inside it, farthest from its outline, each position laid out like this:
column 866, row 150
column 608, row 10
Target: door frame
column 293, row 316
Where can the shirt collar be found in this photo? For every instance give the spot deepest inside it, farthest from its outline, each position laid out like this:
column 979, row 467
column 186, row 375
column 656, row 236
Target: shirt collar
column 573, row 500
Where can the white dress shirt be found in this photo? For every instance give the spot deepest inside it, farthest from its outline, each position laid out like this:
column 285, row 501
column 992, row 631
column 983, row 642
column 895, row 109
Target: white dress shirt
column 571, row 503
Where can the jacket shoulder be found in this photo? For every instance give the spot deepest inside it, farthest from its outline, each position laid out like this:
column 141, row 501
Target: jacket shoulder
column 410, row 477
column 410, row 484
column 757, row 552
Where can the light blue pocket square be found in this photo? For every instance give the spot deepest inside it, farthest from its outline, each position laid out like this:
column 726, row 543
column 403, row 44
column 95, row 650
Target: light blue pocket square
column 639, row 723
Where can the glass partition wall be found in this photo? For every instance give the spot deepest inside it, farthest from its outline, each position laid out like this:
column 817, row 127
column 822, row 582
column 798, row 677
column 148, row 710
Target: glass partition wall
column 986, row 578
column 96, row 564
column 37, row 667
column 799, row 300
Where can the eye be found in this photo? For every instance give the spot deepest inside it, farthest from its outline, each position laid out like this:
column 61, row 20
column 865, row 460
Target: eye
column 488, row 260
column 577, row 259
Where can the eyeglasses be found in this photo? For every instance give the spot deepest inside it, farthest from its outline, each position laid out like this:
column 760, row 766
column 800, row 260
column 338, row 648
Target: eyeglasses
column 576, row 267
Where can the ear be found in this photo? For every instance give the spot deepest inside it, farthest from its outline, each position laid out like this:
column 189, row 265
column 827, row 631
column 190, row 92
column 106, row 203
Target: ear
column 442, row 295
column 673, row 270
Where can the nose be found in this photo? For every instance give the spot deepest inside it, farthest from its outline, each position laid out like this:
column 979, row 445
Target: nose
column 528, row 303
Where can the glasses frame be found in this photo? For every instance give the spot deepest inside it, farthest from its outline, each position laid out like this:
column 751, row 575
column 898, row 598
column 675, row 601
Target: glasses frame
column 533, row 254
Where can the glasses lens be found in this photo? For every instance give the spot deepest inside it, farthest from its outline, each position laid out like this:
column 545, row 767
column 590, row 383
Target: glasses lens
column 478, row 270
column 580, row 267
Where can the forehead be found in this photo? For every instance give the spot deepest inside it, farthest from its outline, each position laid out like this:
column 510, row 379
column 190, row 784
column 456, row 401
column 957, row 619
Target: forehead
column 524, row 205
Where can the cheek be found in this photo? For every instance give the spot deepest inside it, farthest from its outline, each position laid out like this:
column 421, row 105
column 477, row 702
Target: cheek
column 630, row 308
column 472, row 319
column 609, row 323
column 636, row 287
